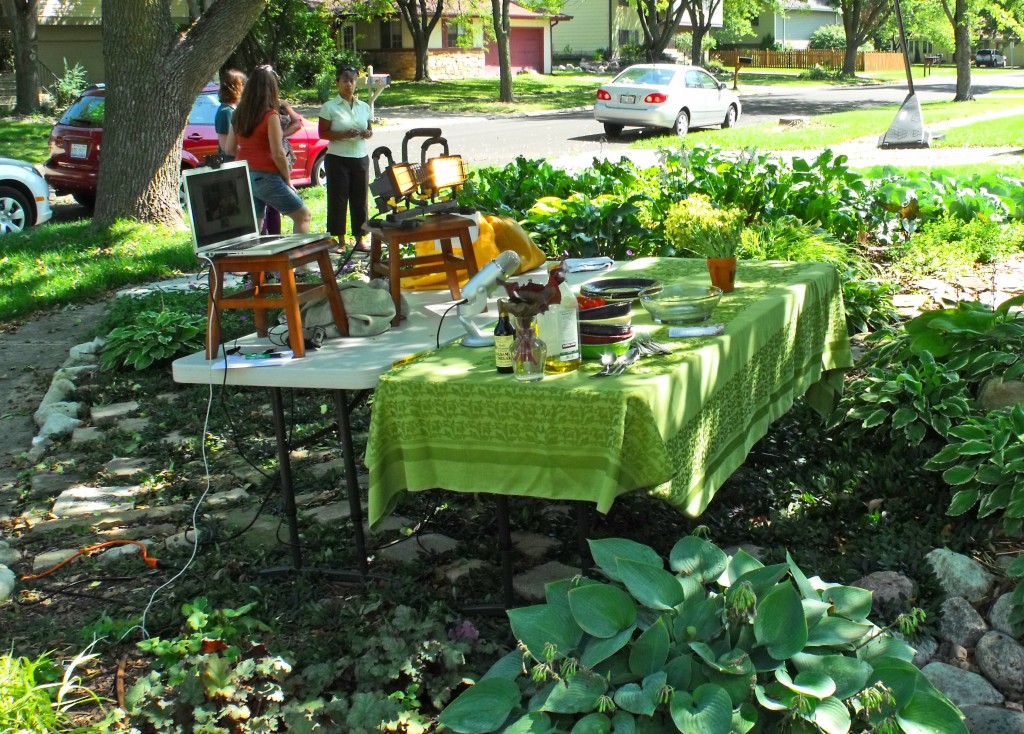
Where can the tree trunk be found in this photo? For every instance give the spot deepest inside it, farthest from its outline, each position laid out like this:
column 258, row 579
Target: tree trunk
column 502, row 31
column 962, row 52
column 958, row 16
column 23, row 15
column 154, row 74
column 697, row 47
column 414, row 13
column 850, row 60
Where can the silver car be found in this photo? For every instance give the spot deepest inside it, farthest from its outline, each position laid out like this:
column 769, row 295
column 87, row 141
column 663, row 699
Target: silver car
column 24, row 196
column 667, row 96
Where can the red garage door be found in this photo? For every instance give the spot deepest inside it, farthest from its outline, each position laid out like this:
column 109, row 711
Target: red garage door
column 527, row 49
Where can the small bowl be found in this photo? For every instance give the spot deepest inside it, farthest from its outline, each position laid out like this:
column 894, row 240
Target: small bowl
column 607, row 311
column 605, row 338
column 598, row 329
column 594, row 351
column 680, row 303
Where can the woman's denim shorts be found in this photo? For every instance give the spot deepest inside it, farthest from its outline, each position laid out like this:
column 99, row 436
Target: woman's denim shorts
column 270, row 189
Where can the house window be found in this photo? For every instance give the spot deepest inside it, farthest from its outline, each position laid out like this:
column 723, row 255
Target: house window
column 391, row 34
column 755, row 22
column 452, row 33
column 626, row 37
column 623, row 3
column 347, row 37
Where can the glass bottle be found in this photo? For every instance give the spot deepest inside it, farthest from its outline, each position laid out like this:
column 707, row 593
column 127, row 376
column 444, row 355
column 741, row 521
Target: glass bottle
column 559, row 327
column 504, row 335
column 528, row 351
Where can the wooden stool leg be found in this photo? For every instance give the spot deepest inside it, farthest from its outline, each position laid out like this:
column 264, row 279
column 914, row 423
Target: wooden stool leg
column 290, row 297
column 333, row 296
column 375, row 254
column 468, row 254
column 259, row 314
column 451, row 267
column 394, row 260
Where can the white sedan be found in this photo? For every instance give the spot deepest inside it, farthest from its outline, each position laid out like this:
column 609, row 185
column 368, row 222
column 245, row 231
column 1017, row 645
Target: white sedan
column 668, row 96
column 24, row 196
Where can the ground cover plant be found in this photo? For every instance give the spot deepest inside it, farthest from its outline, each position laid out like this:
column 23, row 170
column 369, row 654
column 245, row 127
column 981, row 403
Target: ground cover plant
column 309, row 650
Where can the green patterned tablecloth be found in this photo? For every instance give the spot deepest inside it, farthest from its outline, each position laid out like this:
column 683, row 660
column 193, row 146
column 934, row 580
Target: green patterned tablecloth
column 677, row 426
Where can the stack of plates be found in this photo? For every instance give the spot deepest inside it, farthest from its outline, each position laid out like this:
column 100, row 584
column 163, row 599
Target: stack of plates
column 605, row 329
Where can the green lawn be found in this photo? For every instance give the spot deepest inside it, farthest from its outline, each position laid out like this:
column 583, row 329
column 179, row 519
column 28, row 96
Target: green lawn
column 24, row 138
column 828, row 130
column 57, row 264
column 999, row 132
column 532, row 93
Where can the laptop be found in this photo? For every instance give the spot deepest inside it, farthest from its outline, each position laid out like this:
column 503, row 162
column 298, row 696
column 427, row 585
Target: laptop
column 223, row 216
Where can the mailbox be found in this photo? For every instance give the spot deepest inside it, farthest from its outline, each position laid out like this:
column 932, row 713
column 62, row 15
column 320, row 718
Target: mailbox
column 745, row 60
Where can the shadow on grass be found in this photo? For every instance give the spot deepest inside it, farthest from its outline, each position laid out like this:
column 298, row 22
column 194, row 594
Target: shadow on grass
column 58, row 264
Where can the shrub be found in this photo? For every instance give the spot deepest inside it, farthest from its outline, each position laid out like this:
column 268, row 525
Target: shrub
column 695, row 226
column 66, row 89
column 832, row 36
column 950, row 246
column 714, row 645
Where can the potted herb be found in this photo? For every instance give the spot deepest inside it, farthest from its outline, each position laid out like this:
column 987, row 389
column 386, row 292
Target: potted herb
column 697, row 226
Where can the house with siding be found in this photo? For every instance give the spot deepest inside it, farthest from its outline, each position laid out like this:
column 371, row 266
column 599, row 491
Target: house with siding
column 606, row 26
column 457, row 48
column 793, row 26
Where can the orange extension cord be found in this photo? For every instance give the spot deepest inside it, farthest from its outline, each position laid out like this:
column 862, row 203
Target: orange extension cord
column 151, row 562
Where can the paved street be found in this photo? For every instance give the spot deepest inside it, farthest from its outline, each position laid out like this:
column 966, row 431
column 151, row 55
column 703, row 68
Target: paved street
column 574, row 135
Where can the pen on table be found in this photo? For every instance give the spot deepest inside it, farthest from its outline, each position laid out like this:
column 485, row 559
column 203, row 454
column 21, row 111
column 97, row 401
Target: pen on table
column 262, row 355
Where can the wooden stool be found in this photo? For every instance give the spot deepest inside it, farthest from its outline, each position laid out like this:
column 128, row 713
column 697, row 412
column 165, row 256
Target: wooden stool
column 441, row 227
column 288, row 295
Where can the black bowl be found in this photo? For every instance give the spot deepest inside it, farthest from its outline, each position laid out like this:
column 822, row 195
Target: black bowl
column 604, row 329
column 607, row 311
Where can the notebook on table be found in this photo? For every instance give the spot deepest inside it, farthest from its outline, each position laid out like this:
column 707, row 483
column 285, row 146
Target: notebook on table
column 223, row 217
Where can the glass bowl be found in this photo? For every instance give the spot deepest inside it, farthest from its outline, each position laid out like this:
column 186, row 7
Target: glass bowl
column 680, row 303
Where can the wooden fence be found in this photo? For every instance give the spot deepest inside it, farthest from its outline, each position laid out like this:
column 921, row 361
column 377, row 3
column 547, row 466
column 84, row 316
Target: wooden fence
column 809, row 58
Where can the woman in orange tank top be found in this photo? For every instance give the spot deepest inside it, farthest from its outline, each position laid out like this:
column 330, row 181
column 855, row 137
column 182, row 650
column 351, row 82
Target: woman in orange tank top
column 256, row 137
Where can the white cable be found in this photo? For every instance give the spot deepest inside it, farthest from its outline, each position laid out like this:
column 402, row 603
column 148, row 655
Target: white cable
column 206, row 468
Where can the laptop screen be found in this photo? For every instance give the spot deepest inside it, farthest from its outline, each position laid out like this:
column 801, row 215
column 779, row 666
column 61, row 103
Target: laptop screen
column 220, row 204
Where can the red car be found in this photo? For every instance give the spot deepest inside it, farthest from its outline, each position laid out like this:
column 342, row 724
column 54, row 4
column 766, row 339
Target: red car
column 75, row 142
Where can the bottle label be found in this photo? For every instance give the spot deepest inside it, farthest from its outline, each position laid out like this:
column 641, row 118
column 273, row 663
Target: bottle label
column 503, row 351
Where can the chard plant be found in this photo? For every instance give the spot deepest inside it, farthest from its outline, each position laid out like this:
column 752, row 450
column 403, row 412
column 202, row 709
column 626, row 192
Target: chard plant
column 712, row 644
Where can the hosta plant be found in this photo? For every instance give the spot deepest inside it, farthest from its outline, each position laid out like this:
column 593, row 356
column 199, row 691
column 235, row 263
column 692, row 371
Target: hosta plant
column 155, row 337
column 984, row 460
column 711, row 644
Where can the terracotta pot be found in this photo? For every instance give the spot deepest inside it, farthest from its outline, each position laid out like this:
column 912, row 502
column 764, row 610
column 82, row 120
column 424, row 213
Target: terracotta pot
column 723, row 272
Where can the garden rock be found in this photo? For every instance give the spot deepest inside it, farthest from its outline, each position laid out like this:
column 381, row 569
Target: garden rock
column 993, row 720
column 999, row 617
column 1001, row 659
column 530, row 585
column 87, row 348
column 49, row 559
column 82, row 500
column 64, row 408
column 6, row 583
column 961, row 686
column 60, row 389
column 996, row 394
column 87, row 434
column 105, row 415
column 924, row 651
column 73, row 372
column 432, row 543
column 56, row 424
column 887, row 587
column 121, row 551
column 8, row 556
column 960, row 576
column 961, row 624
